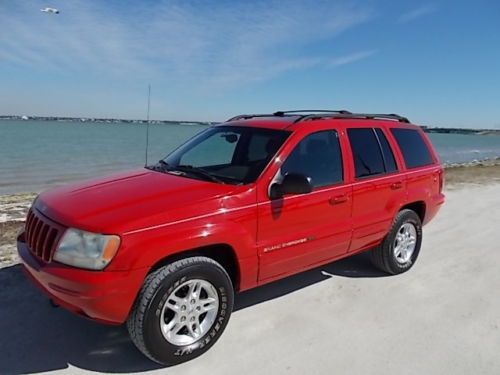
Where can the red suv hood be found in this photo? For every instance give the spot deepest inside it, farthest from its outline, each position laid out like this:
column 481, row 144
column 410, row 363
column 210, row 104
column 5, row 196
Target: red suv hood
column 130, row 200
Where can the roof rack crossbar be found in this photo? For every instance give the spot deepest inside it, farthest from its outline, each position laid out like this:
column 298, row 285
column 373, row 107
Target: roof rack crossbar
column 283, row 113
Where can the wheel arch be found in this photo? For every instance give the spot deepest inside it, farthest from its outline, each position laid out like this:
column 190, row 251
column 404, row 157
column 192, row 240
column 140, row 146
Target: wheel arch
column 222, row 253
column 419, row 207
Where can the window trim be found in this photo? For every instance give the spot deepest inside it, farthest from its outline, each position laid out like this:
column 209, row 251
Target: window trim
column 391, row 149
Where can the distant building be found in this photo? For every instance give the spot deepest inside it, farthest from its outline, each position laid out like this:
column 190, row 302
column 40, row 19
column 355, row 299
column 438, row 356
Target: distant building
column 25, row 118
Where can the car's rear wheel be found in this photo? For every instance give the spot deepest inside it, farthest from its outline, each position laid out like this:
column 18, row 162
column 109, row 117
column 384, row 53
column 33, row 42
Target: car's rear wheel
column 400, row 248
column 181, row 310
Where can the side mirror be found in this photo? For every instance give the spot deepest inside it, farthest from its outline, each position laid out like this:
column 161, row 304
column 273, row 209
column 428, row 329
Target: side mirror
column 293, row 183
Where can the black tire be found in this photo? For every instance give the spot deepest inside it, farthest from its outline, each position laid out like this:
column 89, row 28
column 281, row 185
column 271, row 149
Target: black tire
column 144, row 320
column 383, row 256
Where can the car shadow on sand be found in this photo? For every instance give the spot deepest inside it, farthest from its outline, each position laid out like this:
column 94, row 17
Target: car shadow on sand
column 35, row 337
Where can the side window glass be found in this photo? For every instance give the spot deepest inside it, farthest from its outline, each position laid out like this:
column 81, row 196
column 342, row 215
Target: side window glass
column 412, row 146
column 317, row 156
column 368, row 160
column 390, row 162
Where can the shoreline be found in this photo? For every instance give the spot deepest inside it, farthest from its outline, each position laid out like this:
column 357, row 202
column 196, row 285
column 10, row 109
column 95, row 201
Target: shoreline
column 110, row 120
column 486, row 162
column 14, row 207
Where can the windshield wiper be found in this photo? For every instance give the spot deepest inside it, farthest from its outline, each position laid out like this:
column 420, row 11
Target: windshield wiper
column 161, row 166
column 196, row 170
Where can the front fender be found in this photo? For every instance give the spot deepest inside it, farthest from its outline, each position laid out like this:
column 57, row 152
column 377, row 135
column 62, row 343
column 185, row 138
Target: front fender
column 146, row 247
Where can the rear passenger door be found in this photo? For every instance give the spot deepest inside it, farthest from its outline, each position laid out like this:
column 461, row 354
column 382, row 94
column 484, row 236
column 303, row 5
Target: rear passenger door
column 378, row 190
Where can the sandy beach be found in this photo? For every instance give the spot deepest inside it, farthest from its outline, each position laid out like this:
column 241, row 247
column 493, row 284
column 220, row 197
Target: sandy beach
column 442, row 317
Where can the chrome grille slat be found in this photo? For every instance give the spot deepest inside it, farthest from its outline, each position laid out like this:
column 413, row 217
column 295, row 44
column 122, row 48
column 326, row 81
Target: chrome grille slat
column 32, row 232
column 29, row 218
column 36, row 236
column 42, row 238
column 49, row 244
column 42, row 235
column 29, row 230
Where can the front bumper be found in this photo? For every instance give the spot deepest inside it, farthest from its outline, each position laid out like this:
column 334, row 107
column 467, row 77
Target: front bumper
column 105, row 296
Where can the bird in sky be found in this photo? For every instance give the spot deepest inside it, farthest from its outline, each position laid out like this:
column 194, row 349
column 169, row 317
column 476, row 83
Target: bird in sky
column 50, row 10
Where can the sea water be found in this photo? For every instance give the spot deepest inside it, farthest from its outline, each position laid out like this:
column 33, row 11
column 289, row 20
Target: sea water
column 35, row 155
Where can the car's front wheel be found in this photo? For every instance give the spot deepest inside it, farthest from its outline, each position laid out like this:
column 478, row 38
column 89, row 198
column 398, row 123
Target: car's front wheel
column 181, row 310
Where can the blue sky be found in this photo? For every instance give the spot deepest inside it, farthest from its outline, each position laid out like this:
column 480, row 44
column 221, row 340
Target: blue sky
column 436, row 62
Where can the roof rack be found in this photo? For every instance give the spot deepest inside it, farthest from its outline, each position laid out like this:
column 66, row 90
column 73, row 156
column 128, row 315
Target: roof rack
column 371, row 116
column 289, row 113
column 322, row 113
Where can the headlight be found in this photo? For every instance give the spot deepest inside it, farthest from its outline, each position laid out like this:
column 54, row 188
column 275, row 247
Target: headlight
column 86, row 250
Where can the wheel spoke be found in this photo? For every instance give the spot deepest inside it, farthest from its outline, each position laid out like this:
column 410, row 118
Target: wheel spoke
column 197, row 327
column 194, row 332
column 193, row 292
column 172, row 306
column 173, row 329
column 404, row 254
column 209, row 304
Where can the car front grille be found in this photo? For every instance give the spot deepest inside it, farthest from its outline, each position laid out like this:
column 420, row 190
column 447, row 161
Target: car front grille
column 42, row 235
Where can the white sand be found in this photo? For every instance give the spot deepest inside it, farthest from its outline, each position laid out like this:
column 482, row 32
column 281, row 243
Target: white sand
column 14, row 207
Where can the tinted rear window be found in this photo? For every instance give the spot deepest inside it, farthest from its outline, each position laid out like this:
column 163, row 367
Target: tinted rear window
column 368, row 159
column 414, row 149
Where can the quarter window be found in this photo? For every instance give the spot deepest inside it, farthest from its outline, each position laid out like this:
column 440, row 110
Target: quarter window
column 415, row 151
column 368, row 160
column 317, row 156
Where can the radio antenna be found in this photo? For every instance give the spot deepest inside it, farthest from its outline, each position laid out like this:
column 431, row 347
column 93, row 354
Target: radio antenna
column 147, row 125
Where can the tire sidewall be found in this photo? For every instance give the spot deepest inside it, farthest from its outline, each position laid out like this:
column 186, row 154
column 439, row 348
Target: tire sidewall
column 405, row 217
column 154, row 340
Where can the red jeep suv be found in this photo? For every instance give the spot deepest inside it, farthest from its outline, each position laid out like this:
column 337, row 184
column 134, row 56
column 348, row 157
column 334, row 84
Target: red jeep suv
column 243, row 203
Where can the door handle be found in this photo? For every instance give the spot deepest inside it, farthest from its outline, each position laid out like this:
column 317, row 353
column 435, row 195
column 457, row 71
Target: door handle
column 339, row 199
column 396, row 185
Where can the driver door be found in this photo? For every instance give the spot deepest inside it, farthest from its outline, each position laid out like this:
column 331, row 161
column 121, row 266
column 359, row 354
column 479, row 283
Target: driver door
column 297, row 232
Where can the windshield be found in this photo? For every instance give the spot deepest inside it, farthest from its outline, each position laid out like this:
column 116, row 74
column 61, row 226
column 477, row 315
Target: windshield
column 225, row 154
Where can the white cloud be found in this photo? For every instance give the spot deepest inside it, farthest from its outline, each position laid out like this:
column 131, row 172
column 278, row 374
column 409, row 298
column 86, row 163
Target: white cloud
column 417, row 13
column 218, row 45
column 349, row 59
